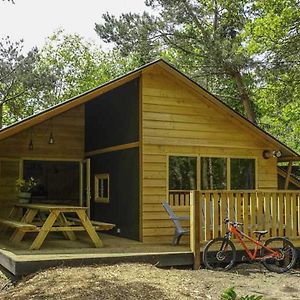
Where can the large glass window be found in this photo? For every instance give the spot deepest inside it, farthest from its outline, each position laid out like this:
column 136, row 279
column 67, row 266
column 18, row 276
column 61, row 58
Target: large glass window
column 242, row 173
column 213, row 173
column 182, row 173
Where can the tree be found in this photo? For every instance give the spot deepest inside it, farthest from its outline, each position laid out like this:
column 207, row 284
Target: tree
column 274, row 37
column 79, row 65
column 66, row 66
column 20, row 79
column 205, row 37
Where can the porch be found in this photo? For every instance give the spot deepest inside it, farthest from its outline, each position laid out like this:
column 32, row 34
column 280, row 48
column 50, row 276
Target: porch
column 272, row 210
column 18, row 260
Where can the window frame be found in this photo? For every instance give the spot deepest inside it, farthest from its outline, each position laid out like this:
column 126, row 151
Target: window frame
column 98, row 179
column 198, row 168
column 184, row 155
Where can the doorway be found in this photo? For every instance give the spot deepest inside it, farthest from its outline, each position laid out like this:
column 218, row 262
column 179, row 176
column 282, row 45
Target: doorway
column 58, row 181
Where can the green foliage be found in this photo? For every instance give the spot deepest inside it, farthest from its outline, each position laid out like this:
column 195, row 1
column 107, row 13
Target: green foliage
column 230, row 294
column 244, row 52
column 21, row 80
column 202, row 38
column 65, row 67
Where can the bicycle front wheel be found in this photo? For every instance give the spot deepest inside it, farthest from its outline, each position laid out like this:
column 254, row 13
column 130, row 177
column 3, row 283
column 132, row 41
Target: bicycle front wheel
column 286, row 258
column 219, row 254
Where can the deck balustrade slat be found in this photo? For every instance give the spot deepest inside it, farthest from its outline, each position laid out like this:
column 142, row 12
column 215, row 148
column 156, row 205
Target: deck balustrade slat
column 267, row 210
column 294, row 215
column 259, row 217
column 224, row 209
column 246, row 213
column 207, row 217
column 216, row 215
column 274, row 214
column 287, row 215
column 252, row 211
column 298, row 213
column 280, row 214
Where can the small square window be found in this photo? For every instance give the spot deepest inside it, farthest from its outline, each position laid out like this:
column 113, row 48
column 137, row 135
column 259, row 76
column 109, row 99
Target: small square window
column 102, row 188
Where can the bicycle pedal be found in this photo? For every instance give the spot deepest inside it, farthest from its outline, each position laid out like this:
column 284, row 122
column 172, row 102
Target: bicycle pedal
column 245, row 258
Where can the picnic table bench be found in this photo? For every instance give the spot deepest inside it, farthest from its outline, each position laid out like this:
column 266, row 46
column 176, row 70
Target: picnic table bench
column 96, row 224
column 18, row 224
column 56, row 221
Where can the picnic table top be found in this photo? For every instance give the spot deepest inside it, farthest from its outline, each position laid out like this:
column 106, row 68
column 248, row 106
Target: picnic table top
column 46, row 207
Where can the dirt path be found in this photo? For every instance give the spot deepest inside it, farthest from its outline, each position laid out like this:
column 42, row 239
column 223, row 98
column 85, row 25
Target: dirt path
column 136, row 281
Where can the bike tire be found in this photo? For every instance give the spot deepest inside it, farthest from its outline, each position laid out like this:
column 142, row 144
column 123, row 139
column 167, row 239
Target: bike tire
column 286, row 261
column 219, row 254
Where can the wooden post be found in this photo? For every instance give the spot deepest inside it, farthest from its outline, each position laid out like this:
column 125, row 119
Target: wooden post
column 288, row 175
column 195, row 227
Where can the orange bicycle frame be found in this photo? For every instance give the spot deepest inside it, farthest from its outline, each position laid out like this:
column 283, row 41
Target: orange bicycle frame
column 258, row 245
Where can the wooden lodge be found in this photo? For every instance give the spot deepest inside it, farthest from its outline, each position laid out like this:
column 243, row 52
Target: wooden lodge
column 149, row 136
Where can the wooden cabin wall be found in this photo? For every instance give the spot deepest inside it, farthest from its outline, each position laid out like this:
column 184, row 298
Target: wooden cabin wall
column 178, row 120
column 9, row 172
column 68, row 132
column 111, row 142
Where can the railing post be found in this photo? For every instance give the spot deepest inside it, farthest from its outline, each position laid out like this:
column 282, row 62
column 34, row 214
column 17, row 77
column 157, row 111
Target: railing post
column 195, row 228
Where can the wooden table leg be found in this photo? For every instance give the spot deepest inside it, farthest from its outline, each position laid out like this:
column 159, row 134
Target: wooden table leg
column 28, row 217
column 37, row 243
column 62, row 220
column 89, row 228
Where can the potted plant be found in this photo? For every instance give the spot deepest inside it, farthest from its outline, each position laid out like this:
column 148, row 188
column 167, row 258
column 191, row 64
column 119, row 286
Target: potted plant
column 24, row 188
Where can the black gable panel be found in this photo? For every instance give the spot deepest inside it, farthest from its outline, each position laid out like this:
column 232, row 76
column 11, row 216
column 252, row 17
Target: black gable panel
column 113, row 118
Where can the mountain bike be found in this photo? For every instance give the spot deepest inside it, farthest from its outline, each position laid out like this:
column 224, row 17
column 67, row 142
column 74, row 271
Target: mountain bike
column 277, row 254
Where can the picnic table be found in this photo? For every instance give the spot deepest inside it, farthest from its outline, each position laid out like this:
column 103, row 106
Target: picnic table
column 55, row 221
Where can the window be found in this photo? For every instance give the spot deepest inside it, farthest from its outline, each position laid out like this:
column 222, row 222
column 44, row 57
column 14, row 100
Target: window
column 242, row 174
column 102, row 188
column 182, row 173
column 213, row 173
column 216, row 173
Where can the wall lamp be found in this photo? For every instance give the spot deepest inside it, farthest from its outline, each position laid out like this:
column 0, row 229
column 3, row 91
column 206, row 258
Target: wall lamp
column 271, row 153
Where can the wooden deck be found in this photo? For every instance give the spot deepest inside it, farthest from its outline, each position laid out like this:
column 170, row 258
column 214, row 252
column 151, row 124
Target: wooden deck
column 18, row 260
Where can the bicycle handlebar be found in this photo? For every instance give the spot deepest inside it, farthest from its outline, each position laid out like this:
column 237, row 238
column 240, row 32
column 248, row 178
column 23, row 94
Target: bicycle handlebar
column 233, row 223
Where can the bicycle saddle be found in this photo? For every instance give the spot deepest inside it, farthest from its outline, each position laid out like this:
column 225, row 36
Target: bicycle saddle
column 261, row 232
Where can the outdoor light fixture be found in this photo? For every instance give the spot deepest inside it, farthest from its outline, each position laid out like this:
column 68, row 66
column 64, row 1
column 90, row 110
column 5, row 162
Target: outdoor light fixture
column 30, row 145
column 271, row 153
column 51, row 139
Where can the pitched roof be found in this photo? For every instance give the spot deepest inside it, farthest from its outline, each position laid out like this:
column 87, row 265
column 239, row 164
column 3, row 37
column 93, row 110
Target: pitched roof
column 91, row 94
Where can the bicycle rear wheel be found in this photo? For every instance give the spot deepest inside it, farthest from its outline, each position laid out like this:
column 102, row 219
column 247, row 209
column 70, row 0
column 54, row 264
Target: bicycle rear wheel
column 287, row 258
column 219, row 254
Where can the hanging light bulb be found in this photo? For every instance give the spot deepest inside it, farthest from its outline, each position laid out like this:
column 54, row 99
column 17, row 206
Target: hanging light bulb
column 51, row 139
column 30, row 146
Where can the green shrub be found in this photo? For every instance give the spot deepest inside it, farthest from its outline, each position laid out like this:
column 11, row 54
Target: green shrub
column 230, row 294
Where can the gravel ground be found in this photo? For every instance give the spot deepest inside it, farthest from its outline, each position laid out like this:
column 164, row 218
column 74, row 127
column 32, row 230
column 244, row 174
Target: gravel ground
column 141, row 281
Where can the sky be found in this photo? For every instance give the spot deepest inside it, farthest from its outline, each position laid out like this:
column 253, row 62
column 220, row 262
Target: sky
column 34, row 20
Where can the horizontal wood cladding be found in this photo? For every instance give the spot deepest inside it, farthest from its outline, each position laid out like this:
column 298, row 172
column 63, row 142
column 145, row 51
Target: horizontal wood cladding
column 68, row 133
column 176, row 120
column 9, row 172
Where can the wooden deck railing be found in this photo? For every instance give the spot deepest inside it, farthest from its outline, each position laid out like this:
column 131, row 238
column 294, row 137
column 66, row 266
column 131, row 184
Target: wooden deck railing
column 179, row 197
column 276, row 211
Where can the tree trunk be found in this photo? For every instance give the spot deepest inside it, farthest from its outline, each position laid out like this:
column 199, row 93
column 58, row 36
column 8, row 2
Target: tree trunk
column 244, row 96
